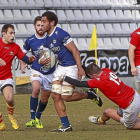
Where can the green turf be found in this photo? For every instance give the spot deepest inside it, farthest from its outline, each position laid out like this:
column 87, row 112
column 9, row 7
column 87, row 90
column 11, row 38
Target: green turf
column 78, row 113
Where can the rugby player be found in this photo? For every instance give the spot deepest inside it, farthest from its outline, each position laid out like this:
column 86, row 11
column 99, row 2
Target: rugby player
column 8, row 50
column 69, row 63
column 41, row 78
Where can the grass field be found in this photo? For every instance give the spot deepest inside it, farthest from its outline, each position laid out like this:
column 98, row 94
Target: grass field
column 78, row 113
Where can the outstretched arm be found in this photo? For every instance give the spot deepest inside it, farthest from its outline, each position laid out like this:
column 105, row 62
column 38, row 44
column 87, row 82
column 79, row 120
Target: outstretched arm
column 28, row 60
column 23, row 66
column 74, row 82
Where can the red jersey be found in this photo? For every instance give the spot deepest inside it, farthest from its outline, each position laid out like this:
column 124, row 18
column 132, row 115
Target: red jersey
column 113, row 88
column 135, row 40
column 7, row 53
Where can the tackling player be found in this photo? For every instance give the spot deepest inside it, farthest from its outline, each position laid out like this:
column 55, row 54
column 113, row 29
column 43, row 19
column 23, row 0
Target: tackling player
column 8, row 50
column 61, row 43
column 113, row 88
column 39, row 75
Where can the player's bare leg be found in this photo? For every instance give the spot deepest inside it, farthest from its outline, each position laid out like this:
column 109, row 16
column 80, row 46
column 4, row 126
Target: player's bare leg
column 61, row 110
column 111, row 113
column 77, row 96
column 59, row 104
column 107, row 114
column 36, row 88
column 8, row 95
column 136, row 125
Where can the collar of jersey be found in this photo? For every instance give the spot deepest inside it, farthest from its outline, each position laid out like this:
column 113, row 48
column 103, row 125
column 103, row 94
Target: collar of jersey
column 52, row 31
column 41, row 37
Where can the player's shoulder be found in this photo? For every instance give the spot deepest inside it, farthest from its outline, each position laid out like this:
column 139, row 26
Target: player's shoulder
column 60, row 31
column 31, row 38
column 15, row 45
column 136, row 32
column 106, row 70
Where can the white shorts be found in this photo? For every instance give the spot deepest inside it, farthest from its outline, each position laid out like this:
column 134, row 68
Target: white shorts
column 138, row 75
column 45, row 80
column 7, row 82
column 71, row 71
column 130, row 114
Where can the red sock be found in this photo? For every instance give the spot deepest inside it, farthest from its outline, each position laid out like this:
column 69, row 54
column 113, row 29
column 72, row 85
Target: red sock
column 10, row 109
column 1, row 117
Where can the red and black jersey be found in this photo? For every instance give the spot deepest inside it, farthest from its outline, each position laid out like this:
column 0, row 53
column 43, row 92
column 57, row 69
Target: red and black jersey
column 135, row 40
column 7, row 53
column 113, row 88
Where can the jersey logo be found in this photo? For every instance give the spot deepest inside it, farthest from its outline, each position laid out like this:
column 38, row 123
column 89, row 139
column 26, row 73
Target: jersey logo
column 6, row 47
column 40, row 47
column 31, row 38
column 56, row 32
column 54, row 41
column 51, row 45
column 98, row 79
column 138, row 33
column 11, row 53
column 35, row 75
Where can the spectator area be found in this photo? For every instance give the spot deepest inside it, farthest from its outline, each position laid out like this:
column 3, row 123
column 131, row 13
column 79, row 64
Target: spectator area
column 115, row 19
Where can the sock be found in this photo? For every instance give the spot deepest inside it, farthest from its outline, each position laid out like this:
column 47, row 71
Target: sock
column 121, row 120
column 90, row 95
column 33, row 106
column 65, row 121
column 1, row 120
column 101, row 121
column 40, row 109
column 10, row 109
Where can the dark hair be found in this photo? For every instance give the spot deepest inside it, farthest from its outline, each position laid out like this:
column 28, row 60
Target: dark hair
column 38, row 18
column 92, row 69
column 5, row 28
column 51, row 16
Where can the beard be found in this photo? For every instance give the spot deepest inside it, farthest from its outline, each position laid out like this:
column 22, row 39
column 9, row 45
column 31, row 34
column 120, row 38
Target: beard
column 40, row 32
column 48, row 28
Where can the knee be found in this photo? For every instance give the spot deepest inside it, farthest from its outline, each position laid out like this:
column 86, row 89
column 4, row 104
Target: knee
column 44, row 100
column 56, row 96
column 10, row 102
column 45, row 97
column 35, row 92
column 107, row 111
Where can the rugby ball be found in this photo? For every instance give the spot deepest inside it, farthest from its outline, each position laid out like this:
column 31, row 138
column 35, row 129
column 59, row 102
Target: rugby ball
column 48, row 53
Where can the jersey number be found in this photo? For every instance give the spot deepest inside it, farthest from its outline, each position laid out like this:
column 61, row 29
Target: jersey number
column 114, row 78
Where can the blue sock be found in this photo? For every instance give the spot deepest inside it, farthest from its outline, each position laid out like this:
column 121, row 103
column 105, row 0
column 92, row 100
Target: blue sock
column 65, row 121
column 90, row 95
column 40, row 109
column 33, row 106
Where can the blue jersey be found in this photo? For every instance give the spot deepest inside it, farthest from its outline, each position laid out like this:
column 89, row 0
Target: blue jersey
column 56, row 42
column 36, row 45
